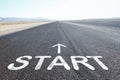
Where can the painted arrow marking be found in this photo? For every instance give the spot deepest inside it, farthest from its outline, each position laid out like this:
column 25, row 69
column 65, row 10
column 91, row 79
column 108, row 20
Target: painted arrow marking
column 59, row 47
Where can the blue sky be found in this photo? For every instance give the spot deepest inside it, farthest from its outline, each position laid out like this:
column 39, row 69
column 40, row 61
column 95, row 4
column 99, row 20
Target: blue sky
column 60, row 9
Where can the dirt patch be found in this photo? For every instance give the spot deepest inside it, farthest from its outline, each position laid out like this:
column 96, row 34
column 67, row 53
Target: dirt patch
column 8, row 28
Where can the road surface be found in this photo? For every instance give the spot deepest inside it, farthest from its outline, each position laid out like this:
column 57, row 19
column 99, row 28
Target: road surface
column 80, row 39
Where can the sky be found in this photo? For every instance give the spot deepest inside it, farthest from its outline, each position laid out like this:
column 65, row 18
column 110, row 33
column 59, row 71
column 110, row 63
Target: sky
column 60, row 9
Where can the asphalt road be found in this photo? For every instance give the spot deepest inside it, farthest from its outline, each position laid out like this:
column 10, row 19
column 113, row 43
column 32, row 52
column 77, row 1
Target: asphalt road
column 80, row 39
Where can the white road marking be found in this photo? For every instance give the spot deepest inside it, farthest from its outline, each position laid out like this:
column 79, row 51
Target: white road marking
column 59, row 47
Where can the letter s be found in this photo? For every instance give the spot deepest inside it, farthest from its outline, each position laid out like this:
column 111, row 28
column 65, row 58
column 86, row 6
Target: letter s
column 19, row 60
